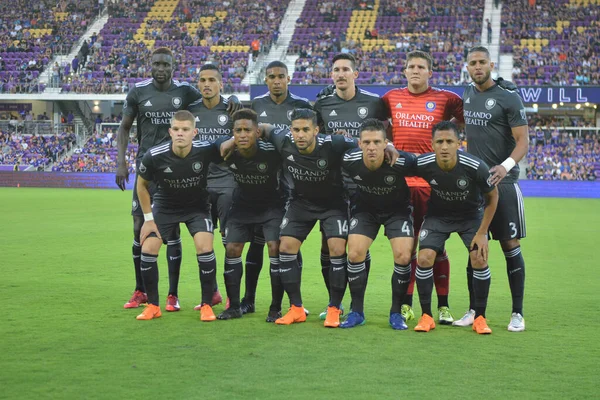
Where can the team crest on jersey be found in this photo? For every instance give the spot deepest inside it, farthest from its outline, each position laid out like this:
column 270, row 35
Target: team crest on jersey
column 289, row 114
column 284, row 223
column 176, row 101
column 142, row 168
column 353, row 223
column 197, row 166
column 423, row 234
column 134, row 205
column 322, row 163
column 490, row 103
column 222, row 119
column 390, row 179
column 462, row 183
column 262, row 167
column 363, row 112
column 430, row 106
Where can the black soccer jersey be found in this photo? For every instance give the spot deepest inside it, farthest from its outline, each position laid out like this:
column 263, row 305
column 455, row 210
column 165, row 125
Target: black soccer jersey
column 278, row 115
column 456, row 193
column 316, row 176
column 489, row 117
column 257, row 177
column 154, row 109
column 384, row 189
column 214, row 123
column 335, row 113
column 181, row 182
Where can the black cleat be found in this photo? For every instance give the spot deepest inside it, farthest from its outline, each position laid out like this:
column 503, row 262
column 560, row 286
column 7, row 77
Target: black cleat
column 230, row 313
column 246, row 306
column 273, row 315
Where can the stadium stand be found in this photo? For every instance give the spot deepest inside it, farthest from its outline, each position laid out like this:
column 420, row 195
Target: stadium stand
column 34, row 150
column 553, row 42
column 32, row 32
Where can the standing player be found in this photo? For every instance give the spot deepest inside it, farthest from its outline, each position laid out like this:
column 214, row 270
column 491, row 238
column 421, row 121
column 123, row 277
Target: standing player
column 382, row 199
column 153, row 102
column 414, row 111
column 459, row 184
column 179, row 168
column 275, row 108
column 342, row 112
column 496, row 128
column 258, row 203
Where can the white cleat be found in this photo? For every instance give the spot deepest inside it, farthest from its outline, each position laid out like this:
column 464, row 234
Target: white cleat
column 466, row 320
column 517, row 323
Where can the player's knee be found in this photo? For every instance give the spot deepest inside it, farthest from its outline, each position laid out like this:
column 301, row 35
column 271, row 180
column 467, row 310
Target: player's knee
column 273, row 248
column 426, row 258
column 151, row 245
column 356, row 255
column 510, row 244
column 337, row 247
column 288, row 245
column 402, row 257
column 476, row 262
column 234, row 250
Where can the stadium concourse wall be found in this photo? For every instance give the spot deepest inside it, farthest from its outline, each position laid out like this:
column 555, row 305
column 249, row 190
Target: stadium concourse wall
column 97, row 180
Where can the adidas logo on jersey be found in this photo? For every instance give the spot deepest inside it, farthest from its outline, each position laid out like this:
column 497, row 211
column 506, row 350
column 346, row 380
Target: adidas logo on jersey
column 197, row 119
column 332, row 113
column 233, row 166
column 148, row 104
column 168, row 170
column 468, row 100
column 433, row 182
column 357, row 178
column 291, row 158
column 263, row 114
column 399, row 105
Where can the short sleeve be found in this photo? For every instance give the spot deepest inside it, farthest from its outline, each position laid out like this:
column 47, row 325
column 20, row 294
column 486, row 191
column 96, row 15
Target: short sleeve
column 320, row 121
column 278, row 138
column 455, row 107
column 193, row 94
column 483, row 178
column 515, row 111
column 146, row 167
column 130, row 107
column 383, row 112
column 406, row 163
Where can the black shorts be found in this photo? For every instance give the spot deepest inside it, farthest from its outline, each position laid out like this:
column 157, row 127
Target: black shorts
column 509, row 220
column 397, row 224
column 436, row 230
column 221, row 199
column 196, row 221
column 244, row 220
column 136, row 210
column 301, row 216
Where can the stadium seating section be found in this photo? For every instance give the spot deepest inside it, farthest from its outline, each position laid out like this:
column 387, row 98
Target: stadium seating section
column 33, row 150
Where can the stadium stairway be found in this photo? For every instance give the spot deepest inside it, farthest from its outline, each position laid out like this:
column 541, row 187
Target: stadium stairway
column 75, row 107
column 279, row 49
column 96, row 26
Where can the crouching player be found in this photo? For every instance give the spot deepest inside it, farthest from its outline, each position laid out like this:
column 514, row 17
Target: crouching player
column 258, row 202
column 179, row 168
column 463, row 201
column 382, row 198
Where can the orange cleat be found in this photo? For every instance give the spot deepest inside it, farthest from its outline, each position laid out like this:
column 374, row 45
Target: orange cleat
column 150, row 312
column 206, row 313
column 295, row 314
column 480, row 326
column 425, row 324
column 332, row 320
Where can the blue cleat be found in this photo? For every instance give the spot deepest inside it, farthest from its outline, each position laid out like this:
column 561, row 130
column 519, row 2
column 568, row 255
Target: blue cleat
column 354, row 319
column 397, row 322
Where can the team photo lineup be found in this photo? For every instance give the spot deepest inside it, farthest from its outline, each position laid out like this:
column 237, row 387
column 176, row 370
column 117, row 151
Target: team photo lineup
column 351, row 162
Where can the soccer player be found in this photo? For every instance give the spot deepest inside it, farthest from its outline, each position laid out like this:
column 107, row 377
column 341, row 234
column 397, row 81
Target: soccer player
column 496, row 128
column 275, row 108
column 179, row 169
column 382, row 198
column 463, row 200
column 342, row 112
column 258, row 203
column 152, row 102
column 414, row 110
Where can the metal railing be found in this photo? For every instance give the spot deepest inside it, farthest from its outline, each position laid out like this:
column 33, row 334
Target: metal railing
column 38, row 127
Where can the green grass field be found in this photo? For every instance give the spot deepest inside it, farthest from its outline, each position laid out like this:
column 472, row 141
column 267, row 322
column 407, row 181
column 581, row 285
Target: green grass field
column 66, row 271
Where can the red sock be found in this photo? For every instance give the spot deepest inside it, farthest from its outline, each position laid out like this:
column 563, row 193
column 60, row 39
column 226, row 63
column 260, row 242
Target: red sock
column 441, row 274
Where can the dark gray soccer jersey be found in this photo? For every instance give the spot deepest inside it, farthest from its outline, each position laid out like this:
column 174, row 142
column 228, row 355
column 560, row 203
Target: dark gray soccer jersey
column 257, row 177
column 335, row 113
column 153, row 110
column 489, row 117
column 214, row 123
column 317, row 176
column 181, row 182
column 275, row 114
column 382, row 190
column 456, row 193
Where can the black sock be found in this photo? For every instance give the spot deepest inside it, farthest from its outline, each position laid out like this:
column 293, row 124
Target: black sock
column 290, row 277
column 232, row 274
column 207, row 267
column 276, row 285
column 337, row 280
column 470, row 285
column 149, row 268
column 425, row 287
column 357, row 281
column 325, row 266
column 254, row 264
column 481, row 286
column 442, row 300
column 515, row 268
column 400, row 282
column 174, row 263
column 408, row 300
column 136, row 250
column 367, row 267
